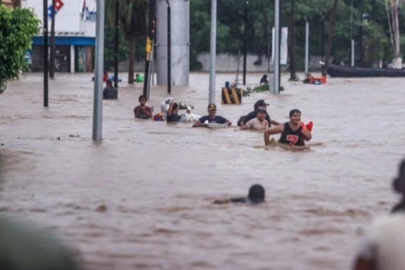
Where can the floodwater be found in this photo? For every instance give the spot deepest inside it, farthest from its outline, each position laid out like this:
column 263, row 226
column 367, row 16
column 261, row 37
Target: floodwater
column 142, row 199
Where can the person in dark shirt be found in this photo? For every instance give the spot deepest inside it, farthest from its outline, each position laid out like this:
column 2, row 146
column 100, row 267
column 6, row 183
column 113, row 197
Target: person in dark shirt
column 264, row 80
column 399, row 186
column 110, row 92
column 211, row 118
column 256, row 196
column 259, row 105
column 142, row 111
column 293, row 132
column 172, row 112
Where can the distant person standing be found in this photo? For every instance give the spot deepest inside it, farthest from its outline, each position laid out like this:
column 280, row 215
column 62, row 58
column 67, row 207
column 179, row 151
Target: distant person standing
column 142, row 111
column 110, row 92
column 384, row 244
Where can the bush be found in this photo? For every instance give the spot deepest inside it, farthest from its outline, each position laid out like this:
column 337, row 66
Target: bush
column 17, row 28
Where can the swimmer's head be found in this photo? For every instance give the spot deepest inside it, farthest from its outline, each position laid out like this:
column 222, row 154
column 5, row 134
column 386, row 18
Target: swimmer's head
column 109, row 83
column 295, row 116
column 257, row 194
column 399, row 182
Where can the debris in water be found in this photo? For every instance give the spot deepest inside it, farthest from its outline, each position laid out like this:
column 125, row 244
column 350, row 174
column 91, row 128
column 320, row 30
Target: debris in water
column 101, row 208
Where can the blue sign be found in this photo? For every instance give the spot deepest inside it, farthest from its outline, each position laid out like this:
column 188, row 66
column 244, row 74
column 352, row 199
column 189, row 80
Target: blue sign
column 50, row 12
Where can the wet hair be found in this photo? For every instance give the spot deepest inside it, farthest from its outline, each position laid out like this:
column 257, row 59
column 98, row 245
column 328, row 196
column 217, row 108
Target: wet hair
column 294, row 111
column 142, row 97
column 256, row 193
column 175, row 106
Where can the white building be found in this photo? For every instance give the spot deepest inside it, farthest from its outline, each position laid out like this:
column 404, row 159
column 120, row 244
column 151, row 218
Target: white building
column 75, row 31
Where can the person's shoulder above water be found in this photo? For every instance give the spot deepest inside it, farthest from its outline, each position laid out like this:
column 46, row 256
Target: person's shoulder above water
column 174, row 117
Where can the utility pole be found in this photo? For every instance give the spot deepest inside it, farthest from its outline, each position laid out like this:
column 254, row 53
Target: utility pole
column 99, row 70
column 116, row 42
column 52, row 56
column 169, row 43
column 245, row 43
column 45, row 33
column 211, row 99
column 149, row 49
column 277, row 32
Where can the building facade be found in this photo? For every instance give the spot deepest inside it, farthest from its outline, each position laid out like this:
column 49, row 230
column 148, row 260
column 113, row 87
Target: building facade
column 8, row 3
column 75, row 31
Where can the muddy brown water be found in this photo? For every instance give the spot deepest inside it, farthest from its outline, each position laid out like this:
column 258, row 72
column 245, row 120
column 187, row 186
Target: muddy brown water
column 142, row 199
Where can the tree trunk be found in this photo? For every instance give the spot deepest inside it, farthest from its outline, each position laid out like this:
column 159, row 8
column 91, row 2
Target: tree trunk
column 131, row 68
column 293, row 75
column 52, row 56
column 330, row 36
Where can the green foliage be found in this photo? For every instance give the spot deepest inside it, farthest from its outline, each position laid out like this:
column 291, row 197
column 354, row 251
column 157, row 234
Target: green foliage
column 17, row 27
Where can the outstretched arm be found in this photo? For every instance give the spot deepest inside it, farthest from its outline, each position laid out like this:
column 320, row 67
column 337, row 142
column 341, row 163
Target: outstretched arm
column 271, row 131
column 274, row 123
column 199, row 124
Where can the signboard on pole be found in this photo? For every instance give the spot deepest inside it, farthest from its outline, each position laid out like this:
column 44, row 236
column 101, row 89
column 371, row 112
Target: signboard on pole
column 283, row 47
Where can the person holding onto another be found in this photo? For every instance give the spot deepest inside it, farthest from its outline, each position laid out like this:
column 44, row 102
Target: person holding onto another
column 142, row 111
column 260, row 104
column 172, row 112
column 110, row 92
column 211, row 118
column 258, row 123
column 293, row 132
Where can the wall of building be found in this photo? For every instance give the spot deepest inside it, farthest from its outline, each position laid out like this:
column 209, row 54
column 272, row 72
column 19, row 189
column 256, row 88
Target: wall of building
column 75, row 18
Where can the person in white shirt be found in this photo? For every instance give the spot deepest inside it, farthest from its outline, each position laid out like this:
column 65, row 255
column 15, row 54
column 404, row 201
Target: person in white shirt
column 384, row 245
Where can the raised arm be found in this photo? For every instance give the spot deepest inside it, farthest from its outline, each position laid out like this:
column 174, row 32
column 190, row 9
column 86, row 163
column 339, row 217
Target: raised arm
column 274, row 123
column 170, row 110
column 271, row 131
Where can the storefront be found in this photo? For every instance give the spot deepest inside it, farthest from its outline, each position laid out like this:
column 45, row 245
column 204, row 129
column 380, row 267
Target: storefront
column 74, row 35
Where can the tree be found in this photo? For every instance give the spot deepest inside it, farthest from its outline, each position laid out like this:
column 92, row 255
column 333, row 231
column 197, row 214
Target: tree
column 18, row 27
column 133, row 22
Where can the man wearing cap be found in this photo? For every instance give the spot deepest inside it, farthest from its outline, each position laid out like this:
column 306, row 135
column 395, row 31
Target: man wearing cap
column 211, row 118
column 260, row 104
column 258, row 123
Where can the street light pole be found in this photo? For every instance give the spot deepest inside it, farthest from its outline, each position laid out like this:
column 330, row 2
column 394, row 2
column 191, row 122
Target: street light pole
column 245, row 43
column 116, row 42
column 213, row 52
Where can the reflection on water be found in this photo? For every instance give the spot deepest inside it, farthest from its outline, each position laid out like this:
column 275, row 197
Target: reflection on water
column 143, row 197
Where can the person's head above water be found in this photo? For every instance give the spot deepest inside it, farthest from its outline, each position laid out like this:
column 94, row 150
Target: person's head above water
column 399, row 182
column 256, row 194
column 260, row 104
column 295, row 116
column 109, row 83
column 212, row 110
column 142, row 100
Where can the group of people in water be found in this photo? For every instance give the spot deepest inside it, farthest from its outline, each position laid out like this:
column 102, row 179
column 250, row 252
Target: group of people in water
column 293, row 133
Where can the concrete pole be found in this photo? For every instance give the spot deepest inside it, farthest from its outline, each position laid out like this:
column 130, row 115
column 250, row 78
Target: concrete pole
column 353, row 53
column 213, row 50
column 351, row 36
column 277, row 29
column 306, row 48
column 98, row 78
column 179, row 42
